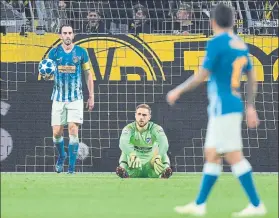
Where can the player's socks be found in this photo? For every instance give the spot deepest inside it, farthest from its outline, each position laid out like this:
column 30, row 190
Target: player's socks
column 211, row 172
column 73, row 148
column 243, row 170
column 59, row 144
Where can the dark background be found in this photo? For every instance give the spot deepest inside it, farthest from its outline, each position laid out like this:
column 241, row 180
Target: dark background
column 28, row 121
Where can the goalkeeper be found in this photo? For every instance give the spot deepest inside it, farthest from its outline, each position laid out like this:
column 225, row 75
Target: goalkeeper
column 144, row 147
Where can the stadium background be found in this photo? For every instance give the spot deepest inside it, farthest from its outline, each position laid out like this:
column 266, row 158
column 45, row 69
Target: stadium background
column 129, row 68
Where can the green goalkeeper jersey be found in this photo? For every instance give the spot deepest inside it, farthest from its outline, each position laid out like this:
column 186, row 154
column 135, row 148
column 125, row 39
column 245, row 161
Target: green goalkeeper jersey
column 143, row 142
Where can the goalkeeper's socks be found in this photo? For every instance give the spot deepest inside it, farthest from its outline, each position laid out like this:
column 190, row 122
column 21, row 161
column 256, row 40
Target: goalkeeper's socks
column 211, row 172
column 73, row 148
column 243, row 170
column 59, row 143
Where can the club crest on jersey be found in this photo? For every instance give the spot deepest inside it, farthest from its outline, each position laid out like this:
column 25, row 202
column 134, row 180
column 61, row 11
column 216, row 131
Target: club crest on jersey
column 75, row 59
column 148, row 140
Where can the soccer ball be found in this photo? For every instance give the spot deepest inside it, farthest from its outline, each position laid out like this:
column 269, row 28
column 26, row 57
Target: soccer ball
column 47, row 68
column 83, row 151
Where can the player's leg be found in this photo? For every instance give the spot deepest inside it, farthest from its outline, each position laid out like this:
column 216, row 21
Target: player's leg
column 58, row 120
column 121, row 170
column 242, row 169
column 124, row 171
column 150, row 172
column 211, row 171
column 74, row 119
column 73, row 145
column 232, row 147
column 58, row 141
column 168, row 171
column 135, row 172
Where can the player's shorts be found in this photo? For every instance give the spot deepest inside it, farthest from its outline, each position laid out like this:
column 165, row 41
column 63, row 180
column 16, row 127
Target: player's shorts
column 67, row 112
column 224, row 133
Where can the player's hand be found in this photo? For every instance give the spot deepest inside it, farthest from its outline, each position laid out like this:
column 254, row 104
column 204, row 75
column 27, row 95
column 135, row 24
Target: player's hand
column 47, row 77
column 252, row 117
column 90, row 103
column 159, row 167
column 173, row 96
column 134, row 162
column 155, row 154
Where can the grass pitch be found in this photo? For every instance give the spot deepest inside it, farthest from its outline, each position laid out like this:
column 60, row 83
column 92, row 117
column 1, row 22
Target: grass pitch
column 107, row 196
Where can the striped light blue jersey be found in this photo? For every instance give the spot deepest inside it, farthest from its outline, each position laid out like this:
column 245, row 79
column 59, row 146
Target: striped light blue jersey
column 226, row 60
column 68, row 77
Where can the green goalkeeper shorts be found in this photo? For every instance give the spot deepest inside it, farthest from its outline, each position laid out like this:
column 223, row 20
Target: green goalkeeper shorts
column 146, row 171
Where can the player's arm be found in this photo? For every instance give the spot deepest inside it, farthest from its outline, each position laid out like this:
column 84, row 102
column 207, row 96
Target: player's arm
column 51, row 54
column 251, row 113
column 163, row 146
column 89, row 80
column 198, row 78
column 89, row 83
column 161, row 139
column 252, row 85
column 128, row 149
column 124, row 142
column 193, row 81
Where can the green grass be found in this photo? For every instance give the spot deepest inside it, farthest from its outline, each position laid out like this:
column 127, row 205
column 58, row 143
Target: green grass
column 106, row 196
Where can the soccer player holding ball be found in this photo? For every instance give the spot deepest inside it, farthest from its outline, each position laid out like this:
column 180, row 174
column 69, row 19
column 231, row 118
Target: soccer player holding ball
column 225, row 61
column 67, row 108
column 144, row 147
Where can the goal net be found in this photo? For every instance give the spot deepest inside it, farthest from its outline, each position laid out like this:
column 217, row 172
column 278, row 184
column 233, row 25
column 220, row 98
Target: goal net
column 139, row 50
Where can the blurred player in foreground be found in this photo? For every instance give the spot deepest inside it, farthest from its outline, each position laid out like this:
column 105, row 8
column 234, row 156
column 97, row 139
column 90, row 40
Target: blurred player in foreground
column 67, row 96
column 144, row 147
column 226, row 59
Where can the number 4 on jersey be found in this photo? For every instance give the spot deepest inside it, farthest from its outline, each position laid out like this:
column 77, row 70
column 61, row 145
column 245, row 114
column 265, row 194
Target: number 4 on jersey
column 237, row 65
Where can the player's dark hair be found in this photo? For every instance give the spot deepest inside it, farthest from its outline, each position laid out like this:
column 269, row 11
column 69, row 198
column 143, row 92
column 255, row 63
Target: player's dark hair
column 223, row 15
column 145, row 106
column 65, row 25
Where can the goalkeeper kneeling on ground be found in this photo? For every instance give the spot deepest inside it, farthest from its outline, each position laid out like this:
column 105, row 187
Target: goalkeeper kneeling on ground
column 144, row 147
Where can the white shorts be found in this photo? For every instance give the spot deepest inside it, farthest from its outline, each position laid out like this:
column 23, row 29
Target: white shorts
column 67, row 112
column 224, row 133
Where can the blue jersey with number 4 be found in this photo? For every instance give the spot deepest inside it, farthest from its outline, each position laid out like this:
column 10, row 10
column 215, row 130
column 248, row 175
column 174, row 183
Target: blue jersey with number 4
column 68, row 77
column 226, row 59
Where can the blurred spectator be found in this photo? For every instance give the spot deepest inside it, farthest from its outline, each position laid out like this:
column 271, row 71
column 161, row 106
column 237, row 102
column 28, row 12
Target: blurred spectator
column 140, row 23
column 183, row 23
column 94, row 23
column 42, row 16
column 62, row 4
column 21, row 10
column 64, row 13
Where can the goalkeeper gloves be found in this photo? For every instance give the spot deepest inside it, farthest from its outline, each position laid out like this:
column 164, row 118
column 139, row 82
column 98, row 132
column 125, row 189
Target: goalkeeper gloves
column 158, row 165
column 134, row 162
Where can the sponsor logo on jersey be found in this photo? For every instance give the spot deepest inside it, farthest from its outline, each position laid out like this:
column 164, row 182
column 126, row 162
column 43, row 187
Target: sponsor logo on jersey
column 66, row 69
